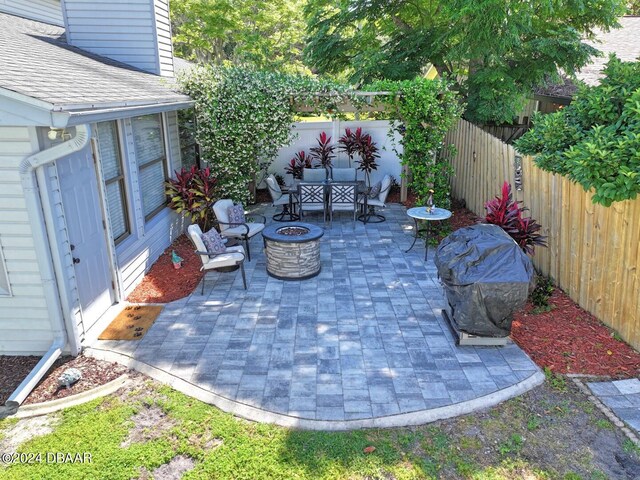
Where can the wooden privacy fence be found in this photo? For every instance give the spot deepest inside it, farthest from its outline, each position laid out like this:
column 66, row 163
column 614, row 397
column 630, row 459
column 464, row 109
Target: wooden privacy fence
column 593, row 252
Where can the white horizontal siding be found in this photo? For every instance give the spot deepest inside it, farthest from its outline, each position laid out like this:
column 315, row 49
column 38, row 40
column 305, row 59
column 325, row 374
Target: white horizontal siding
column 124, row 31
column 163, row 32
column 47, row 11
column 139, row 256
column 25, row 327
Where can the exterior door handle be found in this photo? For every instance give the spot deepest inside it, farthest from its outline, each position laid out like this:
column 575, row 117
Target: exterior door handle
column 76, row 260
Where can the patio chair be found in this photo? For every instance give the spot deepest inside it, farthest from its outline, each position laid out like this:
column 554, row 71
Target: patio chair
column 243, row 231
column 378, row 201
column 311, row 198
column 314, row 174
column 233, row 257
column 343, row 198
column 286, row 200
column 344, row 175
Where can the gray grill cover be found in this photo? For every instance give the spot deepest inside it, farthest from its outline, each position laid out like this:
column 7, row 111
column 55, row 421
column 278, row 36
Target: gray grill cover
column 487, row 277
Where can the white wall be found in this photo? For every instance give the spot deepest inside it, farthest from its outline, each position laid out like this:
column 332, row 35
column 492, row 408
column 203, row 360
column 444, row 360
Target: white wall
column 25, row 327
column 47, row 11
column 308, row 133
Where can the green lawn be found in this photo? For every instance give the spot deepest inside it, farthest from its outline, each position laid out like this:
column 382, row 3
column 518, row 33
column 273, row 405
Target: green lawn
column 504, row 443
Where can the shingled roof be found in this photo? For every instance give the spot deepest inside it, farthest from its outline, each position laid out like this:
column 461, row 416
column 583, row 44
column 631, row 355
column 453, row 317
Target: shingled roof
column 624, row 42
column 36, row 61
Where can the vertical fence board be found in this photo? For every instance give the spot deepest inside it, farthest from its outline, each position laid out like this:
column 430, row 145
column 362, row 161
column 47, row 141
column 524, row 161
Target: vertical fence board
column 593, row 252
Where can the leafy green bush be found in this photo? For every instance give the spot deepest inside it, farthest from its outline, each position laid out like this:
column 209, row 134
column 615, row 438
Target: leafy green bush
column 422, row 111
column 244, row 117
column 595, row 141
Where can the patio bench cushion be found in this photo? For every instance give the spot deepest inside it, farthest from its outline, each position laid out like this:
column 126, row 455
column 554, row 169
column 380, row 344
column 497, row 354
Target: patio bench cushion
column 232, row 256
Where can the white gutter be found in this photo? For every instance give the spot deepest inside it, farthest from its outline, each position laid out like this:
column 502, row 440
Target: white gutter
column 28, row 169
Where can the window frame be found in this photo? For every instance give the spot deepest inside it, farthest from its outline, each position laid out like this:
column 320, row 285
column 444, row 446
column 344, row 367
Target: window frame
column 121, row 179
column 5, row 283
column 164, row 160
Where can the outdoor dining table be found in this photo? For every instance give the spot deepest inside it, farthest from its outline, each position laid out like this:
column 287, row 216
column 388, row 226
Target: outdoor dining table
column 292, row 189
column 421, row 213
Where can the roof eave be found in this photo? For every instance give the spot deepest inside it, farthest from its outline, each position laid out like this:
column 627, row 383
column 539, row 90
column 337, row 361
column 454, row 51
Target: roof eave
column 61, row 116
column 102, row 114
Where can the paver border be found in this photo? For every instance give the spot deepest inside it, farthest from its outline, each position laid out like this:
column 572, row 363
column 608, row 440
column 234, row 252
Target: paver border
column 264, row 416
column 608, row 412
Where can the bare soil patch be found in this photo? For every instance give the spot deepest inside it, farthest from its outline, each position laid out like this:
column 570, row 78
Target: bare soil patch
column 25, row 430
column 557, row 430
column 175, row 469
column 149, row 423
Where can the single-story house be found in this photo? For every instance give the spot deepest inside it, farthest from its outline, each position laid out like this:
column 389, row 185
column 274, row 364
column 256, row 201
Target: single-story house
column 88, row 135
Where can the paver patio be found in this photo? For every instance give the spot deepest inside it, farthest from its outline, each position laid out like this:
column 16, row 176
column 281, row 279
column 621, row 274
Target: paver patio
column 362, row 344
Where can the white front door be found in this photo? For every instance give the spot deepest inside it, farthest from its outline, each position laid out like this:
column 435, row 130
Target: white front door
column 85, row 225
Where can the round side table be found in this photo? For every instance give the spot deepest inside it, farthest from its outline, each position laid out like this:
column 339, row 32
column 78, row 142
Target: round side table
column 420, row 213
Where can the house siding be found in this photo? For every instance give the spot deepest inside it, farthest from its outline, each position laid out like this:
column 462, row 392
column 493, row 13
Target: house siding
column 25, row 310
column 136, row 32
column 47, row 11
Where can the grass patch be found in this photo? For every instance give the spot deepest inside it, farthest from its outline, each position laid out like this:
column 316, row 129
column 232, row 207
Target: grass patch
column 557, row 381
column 507, row 442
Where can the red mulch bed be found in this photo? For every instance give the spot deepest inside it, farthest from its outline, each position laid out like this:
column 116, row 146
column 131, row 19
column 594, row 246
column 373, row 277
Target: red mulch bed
column 94, row 373
column 568, row 339
column 163, row 283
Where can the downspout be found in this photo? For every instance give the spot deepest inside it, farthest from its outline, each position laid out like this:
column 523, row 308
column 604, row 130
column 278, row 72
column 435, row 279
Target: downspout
column 28, row 169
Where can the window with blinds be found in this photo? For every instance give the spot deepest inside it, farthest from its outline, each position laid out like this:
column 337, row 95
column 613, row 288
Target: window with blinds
column 148, row 142
column 189, row 148
column 113, row 175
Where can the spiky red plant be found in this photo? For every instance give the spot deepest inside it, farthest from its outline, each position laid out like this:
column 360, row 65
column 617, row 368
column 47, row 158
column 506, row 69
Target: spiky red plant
column 507, row 213
column 323, row 152
column 297, row 165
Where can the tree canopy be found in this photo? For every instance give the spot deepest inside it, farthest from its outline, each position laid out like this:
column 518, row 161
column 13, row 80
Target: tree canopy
column 496, row 50
column 266, row 35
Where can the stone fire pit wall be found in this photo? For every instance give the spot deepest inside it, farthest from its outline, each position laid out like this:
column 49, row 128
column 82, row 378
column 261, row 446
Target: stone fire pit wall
column 292, row 257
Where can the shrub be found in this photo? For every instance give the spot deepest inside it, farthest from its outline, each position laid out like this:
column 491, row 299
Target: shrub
column 595, row 141
column 507, row 213
column 193, row 192
column 244, row 116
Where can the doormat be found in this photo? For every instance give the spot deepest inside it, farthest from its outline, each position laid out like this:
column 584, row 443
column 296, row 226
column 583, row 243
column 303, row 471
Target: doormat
column 131, row 323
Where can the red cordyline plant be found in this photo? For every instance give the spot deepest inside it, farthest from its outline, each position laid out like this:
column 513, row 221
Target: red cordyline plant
column 298, row 163
column 507, row 213
column 323, row 153
column 368, row 151
column 193, row 192
column 349, row 142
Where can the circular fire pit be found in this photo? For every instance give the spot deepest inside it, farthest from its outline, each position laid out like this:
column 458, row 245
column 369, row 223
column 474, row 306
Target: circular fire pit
column 292, row 250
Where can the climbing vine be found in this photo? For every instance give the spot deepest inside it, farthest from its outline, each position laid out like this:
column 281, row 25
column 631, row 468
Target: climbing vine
column 421, row 112
column 244, row 116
